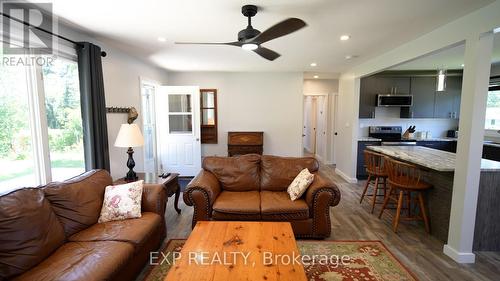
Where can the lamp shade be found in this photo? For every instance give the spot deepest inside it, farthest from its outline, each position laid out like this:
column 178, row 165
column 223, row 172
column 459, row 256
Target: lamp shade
column 129, row 136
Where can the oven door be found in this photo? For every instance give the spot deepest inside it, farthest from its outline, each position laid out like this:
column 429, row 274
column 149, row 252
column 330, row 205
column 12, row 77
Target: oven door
column 399, row 143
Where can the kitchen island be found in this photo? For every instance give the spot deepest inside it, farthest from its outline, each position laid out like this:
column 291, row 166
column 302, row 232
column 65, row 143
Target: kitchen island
column 438, row 168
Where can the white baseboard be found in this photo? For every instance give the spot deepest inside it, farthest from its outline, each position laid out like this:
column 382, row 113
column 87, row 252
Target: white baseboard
column 345, row 177
column 457, row 256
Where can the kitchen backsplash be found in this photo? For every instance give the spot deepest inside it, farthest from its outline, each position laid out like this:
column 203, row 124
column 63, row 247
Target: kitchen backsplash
column 389, row 116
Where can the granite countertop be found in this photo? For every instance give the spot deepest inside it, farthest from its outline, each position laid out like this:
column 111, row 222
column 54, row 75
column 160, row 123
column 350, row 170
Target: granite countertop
column 434, row 159
column 368, row 139
column 429, row 139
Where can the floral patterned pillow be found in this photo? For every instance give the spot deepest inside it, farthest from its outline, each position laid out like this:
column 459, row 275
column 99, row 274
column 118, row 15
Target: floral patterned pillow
column 122, row 202
column 300, row 184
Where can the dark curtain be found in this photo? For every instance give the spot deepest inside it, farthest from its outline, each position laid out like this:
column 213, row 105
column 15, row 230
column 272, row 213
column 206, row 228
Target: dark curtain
column 95, row 132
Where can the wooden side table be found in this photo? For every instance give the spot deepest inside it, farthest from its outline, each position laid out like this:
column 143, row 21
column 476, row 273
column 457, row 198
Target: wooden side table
column 171, row 184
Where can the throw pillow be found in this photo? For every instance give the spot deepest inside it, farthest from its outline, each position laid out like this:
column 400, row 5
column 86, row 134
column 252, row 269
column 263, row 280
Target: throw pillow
column 122, row 202
column 300, row 184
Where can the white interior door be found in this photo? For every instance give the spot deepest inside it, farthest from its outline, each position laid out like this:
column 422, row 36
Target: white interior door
column 178, row 129
column 307, row 123
column 321, row 126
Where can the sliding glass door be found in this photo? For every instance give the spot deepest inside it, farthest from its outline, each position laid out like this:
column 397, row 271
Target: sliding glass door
column 41, row 124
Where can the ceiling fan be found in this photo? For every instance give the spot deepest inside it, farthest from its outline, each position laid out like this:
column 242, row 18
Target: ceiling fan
column 251, row 39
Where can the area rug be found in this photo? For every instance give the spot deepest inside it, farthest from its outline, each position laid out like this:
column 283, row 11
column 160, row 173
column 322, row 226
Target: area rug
column 363, row 261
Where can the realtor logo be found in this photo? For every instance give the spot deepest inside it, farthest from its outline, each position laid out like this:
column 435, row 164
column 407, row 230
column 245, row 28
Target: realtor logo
column 21, row 24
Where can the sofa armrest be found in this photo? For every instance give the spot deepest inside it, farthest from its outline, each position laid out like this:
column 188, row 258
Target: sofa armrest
column 154, row 199
column 206, row 183
column 201, row 193
column 322, row 184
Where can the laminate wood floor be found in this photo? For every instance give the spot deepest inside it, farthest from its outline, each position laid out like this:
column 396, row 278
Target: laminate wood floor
column 421, row 253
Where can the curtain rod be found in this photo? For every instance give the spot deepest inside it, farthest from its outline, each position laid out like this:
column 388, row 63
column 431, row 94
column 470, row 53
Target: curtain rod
column 103, row 53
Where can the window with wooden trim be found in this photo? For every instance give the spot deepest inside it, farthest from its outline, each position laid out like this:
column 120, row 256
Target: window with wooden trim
column 208, row 104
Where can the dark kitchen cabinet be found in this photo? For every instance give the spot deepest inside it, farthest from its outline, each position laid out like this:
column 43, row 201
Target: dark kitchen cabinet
column 360, row 168
column 450, row 146
column 491, row 152
column 448, row 102
column 379, row 85
column 367, row 97
column 423, row 90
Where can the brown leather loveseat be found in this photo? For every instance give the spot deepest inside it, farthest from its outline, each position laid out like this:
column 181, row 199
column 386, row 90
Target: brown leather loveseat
column 51, row 232
column 253, row 188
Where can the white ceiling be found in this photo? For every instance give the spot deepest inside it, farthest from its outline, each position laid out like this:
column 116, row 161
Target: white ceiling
column 449, row 58
column 376, row 26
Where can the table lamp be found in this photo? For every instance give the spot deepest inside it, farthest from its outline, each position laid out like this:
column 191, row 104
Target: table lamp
column 130, row 136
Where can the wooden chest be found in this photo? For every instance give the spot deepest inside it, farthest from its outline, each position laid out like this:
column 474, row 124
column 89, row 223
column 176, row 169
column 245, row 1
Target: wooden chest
column 239, row 143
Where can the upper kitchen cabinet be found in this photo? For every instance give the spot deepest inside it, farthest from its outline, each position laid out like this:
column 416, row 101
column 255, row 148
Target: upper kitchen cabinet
column 367, row 97
column 448, row 102
column 374, row 85
column 423, row 90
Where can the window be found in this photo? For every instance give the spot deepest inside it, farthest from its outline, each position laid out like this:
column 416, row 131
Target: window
column 492, row 121
column 41, row 136
column 208, row 115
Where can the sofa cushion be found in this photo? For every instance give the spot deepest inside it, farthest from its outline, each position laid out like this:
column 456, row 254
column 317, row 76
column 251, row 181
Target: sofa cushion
column 277, row 173
column 136, row 231
column 77, row 202
column 83, row 261
column 244, row 205
column 278, row 206
column 235, row 173
column 29, row 231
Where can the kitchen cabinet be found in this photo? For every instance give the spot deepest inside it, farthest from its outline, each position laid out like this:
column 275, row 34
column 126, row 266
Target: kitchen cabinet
column 367, row 97
column 423, row 90
column 360, row 168
column 491, row 152
column 448, row 102
column 374, row 85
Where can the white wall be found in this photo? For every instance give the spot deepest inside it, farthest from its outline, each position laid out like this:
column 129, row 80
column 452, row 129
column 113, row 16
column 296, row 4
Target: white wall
column 122, row 87
column 121, row 73
column 390, row 117
column 247, row 101
column 328, row 87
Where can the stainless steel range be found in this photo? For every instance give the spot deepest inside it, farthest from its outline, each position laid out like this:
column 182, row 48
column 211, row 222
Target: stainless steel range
column 390, row 135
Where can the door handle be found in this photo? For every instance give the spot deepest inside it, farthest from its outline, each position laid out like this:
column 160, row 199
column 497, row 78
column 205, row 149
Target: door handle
column 197, row 139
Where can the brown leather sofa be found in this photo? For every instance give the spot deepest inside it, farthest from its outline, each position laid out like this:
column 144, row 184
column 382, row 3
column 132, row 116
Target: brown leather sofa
column 51, row 232
column 253, row 188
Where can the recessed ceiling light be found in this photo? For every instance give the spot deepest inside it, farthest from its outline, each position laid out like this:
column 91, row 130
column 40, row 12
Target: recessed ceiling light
column 162, row 39
column 462, row 65
column 345, row 37
column 348, row 57
column 315, row 76
column 313, row 64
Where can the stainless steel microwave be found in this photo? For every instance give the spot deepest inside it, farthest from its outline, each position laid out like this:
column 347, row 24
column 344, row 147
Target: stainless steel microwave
column 395, row 100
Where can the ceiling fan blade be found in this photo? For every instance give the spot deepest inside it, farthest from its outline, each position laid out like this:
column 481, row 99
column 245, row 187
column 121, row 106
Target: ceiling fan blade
column 267, row 53
column 238, row 44
column 280, row 29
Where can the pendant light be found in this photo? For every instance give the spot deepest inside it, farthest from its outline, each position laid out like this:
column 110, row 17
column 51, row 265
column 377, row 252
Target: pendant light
column 441, row 80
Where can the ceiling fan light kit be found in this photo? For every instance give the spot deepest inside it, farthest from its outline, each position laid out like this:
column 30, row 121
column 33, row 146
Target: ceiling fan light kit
column 251, row 39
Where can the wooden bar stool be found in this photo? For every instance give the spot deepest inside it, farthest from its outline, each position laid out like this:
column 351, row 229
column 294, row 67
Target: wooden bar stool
column 405, row 178
column 376, row 170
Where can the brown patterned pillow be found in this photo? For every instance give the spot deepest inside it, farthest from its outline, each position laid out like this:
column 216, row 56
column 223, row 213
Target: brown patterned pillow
column 300, row 184
column 122, row 202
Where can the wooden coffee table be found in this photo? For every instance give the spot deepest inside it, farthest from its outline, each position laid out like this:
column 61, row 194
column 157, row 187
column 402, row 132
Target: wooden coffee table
column 209, row 253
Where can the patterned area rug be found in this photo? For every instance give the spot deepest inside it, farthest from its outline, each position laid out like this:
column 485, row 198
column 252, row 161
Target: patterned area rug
column 362, row 261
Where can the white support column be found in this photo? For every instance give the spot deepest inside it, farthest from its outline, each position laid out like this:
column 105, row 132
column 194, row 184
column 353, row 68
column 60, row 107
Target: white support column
column 478, row 51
